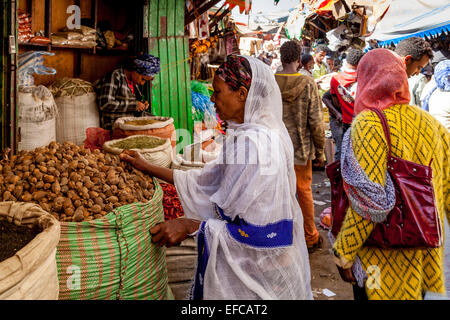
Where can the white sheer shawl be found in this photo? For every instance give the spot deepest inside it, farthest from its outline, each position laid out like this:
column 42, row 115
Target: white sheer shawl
column 259, row 189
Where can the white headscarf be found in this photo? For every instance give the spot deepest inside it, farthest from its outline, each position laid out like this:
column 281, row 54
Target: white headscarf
column 260, row 190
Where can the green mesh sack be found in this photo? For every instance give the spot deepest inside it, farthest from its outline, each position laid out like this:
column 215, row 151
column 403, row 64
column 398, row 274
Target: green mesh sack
column 113, row 257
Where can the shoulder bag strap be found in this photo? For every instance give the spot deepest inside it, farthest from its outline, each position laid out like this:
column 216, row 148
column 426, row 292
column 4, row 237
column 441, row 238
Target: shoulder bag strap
column 386, row 130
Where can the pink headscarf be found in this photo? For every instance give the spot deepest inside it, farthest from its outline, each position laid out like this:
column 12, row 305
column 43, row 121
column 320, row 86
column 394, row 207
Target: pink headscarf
column 382, row 81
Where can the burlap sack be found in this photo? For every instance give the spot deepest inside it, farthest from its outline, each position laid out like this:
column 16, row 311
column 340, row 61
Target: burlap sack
column 31, row 274
column 37, row 117
column 77, row 113
column 164, row 129
column 181, row 265
column 77, row 107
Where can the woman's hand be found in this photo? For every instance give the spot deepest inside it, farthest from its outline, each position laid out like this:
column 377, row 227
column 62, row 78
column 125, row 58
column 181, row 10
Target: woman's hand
column 135, row 159
column 142, row 106
column 347, row 275
column 172, row 232
column 139, row 162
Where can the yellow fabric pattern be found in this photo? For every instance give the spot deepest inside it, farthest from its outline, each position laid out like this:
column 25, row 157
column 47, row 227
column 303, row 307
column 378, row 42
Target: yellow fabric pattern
column 418, row 137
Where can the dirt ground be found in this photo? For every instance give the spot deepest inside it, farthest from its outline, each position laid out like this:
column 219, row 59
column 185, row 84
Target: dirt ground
column 324, row 274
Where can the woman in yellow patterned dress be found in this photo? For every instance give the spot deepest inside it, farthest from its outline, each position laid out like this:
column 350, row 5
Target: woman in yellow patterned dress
column 392, row 274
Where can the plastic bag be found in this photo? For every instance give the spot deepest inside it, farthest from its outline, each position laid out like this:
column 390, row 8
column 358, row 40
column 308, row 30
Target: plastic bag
column 325, row 219
column 31, row 63
column 96, row 137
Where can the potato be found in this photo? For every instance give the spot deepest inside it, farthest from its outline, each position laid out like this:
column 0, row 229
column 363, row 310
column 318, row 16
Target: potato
column 63, row 178
column 18, row 190
column 113, row 199
column 78, row 216
column 38, row 195
column 26, row 196
column 64, row 181
column 48, row 178
column 7, row 196
column 10, row 187
column 69, row 211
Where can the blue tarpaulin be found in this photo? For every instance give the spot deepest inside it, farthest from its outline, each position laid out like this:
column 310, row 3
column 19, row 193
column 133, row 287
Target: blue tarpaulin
column 409, row 18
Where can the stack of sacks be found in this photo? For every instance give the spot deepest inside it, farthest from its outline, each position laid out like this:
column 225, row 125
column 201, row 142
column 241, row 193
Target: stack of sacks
column 85, row 37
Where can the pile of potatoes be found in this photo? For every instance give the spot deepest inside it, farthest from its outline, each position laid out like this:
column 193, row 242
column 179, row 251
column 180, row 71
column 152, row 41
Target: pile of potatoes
column 71, row 182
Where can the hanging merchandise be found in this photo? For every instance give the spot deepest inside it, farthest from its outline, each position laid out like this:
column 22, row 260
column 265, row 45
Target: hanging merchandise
column 77, row 108
column 202, row 46
column 193, row 32
column 203, row 26
column 294, row 24
column 337, row 37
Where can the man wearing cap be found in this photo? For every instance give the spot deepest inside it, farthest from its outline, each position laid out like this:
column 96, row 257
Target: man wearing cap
column 118, row 93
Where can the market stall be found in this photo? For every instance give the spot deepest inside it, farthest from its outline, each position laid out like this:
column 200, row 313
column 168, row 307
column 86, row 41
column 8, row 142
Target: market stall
column 55, row 156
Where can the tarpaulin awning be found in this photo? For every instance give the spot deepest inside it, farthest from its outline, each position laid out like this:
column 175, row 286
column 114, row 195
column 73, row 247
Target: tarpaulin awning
column 412, row 18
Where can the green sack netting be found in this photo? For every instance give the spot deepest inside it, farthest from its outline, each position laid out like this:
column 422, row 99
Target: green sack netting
column 113, row 257
column 200, row 87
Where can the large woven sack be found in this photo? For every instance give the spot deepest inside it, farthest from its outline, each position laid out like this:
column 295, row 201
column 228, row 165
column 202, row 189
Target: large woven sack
column 164, row 128
column 113, row 257
column 31, row 274
column 160, row 156
column 181, row 266
column 77, row 106
column 36, row 134
column 37, row 117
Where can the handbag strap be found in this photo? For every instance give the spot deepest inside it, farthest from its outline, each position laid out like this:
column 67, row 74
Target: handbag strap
column 386, row 130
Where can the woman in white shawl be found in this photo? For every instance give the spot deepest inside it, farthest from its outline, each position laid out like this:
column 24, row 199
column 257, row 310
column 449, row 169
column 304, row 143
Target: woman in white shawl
column 242, row 206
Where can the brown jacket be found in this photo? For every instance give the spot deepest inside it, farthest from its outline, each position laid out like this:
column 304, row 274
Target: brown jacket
column 303, row 116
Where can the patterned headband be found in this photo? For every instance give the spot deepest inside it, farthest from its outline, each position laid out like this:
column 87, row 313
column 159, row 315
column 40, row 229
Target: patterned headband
column 236, row 72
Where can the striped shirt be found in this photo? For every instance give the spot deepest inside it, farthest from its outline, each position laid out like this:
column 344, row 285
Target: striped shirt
column 115, row 98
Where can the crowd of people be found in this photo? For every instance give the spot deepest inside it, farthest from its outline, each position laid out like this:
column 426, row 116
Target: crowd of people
column 255, row 227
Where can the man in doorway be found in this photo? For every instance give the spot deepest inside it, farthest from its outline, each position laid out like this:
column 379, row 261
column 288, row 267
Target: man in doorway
column 118, row 93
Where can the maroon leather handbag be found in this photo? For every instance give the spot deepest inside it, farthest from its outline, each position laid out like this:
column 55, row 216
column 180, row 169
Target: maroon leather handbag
column 414, row 222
